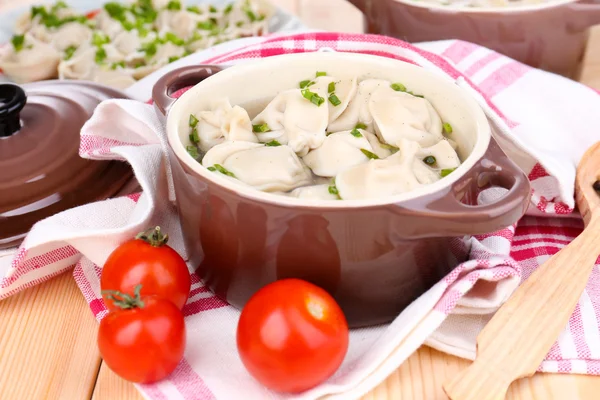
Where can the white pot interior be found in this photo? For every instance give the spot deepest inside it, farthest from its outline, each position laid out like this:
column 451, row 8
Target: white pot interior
column 253, row 84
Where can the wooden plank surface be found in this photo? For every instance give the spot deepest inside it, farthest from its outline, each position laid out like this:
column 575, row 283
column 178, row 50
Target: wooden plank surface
column 48, row 334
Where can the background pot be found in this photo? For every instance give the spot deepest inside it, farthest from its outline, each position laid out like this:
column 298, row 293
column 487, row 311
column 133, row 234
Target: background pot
column 375, row 260
column 547, row 36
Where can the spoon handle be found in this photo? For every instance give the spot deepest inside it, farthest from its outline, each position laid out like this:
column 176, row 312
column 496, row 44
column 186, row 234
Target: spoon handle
column 514, row 343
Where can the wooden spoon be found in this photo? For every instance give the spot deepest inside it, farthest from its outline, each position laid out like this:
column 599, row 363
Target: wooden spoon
column 514, row 343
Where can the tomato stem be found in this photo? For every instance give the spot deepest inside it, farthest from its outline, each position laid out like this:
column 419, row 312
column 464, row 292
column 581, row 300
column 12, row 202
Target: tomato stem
column 154, row 237
column 125, row 300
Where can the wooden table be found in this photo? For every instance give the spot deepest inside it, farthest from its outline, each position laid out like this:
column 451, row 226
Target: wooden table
column 48, row 334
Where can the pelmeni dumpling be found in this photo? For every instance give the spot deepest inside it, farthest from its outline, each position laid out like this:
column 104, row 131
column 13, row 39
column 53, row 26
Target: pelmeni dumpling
column 266, row 168
column 343, row 89
column 115, row 78
column 381, row 150
column 34, row 62
column 339, row 151
column 314, row 192
column 71, row 34
column 166, row 52
column 295, row 121
column 182, row 23
column 399, row 115
column 80, row 66
column 444, row 154
column 380, row 178
column 223, row 123
column 358, row 108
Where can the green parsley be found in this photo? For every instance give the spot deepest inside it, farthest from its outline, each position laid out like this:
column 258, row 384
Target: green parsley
column 228, row 9
column 447, row 127
column 149, row 48
column 100, row 55
column 115, row 10
column 321, row 74
column 193, row 121
column 194, row 138
column 369, row 154
column 173, row 59
column 212, row 9
column 18, row 41
column 429, row 160
column 398, row 87
column 193, row 151
column 333, row 99
column 221, row 169
column 331, row 87
column 174, row 5
column 360, row 125
column 333, row 190
column 117, row 65
column 58, row 6
column 273, row 143
column 69, row 51
column 312, row 97
column 239, row 23
column 194, row 9
column 446, row 171
column 99, row 39
column 206, row 25
column 356, row 133
column 261, row 128
column 173, row 38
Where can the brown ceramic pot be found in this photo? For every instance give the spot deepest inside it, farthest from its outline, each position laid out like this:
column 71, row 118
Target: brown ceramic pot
column 375, row 257
column 550, row 36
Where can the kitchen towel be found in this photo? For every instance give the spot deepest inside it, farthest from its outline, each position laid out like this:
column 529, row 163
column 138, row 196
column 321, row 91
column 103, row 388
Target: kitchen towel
column 543, row 121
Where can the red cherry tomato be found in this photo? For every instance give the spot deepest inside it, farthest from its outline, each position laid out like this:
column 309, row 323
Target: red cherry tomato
column 149, row 261
column 144, row 340
column 292, row 335
column 92, row 14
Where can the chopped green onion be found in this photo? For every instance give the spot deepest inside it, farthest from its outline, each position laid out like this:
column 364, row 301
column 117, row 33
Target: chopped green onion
column 100, row 55
column 251, row 16
column 193, row 121
column 398, row 87
column 446, row 171
column 59, row 5
column 173, row 58
column 305, row 84
column 194, row 9
column 221, row 169
column 193, row 151
column 194, row 138
column 333, row 190
column 100, row 38
column 393, row 149
column 115, row 10
column 211, row 169
column 321, row 74
column 429, row 160
column 369, row 154
column 360, row 125
column 312, row 97
column 149, row 48
column 273, row 143
column 18, row 41
column 447, row 127
column 228, row 9
column 333, row 99
column 118, row 64
column 356, row 133
column 173, row 38
column 174, row 5
column 261, row 128
column 416, row 95
column 212, row 9
column 331, row 87
column 206, row 25
column 69, row 51
column 239, row 23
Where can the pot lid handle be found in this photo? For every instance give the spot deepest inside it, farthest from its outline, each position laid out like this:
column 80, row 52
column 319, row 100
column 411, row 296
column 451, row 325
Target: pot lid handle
column 12, row 101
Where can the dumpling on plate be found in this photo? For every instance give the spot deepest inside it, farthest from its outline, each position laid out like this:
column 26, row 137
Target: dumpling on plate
column 29, row 60
column 292, row 118
column 339, row 151
column 72, row 34
column 266, row 168
column 118, row 79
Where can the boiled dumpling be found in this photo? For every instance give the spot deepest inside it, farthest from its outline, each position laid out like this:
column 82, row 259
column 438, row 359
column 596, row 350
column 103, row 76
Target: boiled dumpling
column 266, row 168
column 222, row 123
column 339, row 151
column 108, row 25
column 80, row 66
column 71, row 34
column 314, row 192
column 181, row 23
column 293, row 120
column 445, row 155
column 35, row 61
column 382, row 150
column 344, row 90
column 166, row 52
column 358, row 108
column 380, row 178
column 114, row 78
column 400, row 115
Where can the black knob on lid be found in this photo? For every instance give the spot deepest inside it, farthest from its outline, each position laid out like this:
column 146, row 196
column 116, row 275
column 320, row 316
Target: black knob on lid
column 12, row 101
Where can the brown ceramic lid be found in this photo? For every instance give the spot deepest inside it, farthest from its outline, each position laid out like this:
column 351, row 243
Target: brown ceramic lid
column 41, row 172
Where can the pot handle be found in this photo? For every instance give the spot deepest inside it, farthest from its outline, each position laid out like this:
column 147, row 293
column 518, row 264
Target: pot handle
column 454, row 213
column 171, row 82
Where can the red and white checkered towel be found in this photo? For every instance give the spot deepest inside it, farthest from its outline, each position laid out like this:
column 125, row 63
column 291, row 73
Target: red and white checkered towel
column 543, row 121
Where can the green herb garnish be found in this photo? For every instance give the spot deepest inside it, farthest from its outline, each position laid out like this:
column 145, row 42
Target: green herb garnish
column 115, row 10
column 194, row 138
column 100, row 55
column 321, row 74
column 193, row 151
column 194, row 9
column 212, row 9
column 447, row 127
column 398, row 87
column 369, row 154
column 69, row 51
column 18, row 41
column 99, row 39
column 331, row 87
column 312, row 97
column 118, row 64
column 239, row 23
column 333, row 99
column 416, row 95
column 356, row 133
column 360, row 125
column 261, row 128
column 206, row 25
column 393, row 149
column 429, row 160
column 273, row 143
column 333, row 190
column 193, row 121
column 221, row 169
column 305, row 84
column 173, row 58
column 446, row 171
column 173, row 38
column 150, row 48
column 228, row 9
column 174, row 5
